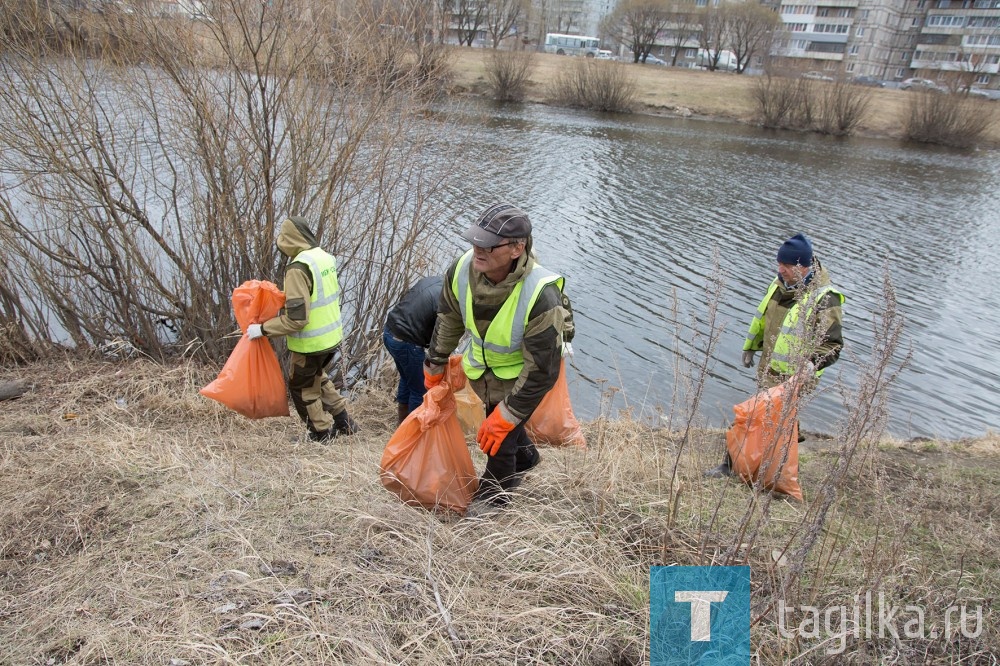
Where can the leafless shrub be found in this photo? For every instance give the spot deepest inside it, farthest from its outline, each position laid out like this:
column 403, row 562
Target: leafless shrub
column 596, row 85
column 508, row 73
column 796, row 103
column 140, row 196
column 842, row 107
column 782, row 102
column 949, row 119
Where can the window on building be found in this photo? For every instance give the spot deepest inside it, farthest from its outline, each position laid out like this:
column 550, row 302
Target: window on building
column 983, row 79
column 945, row 21
column 900, row 73
column 845, row 12
column 904, row 56
column 823, row 11
column 864, row 15
column 849, row 67
column 915, row 22
column 690, row 53
column 853, row 50
column 943, row 4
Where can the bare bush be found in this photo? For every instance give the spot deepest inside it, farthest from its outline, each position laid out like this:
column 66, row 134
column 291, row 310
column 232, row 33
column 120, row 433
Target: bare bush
column 842, row 107
column 777, row 98
column 596, row 85
column 508, row 74
column 949, row 119
column 137, row 198
column 796, row 103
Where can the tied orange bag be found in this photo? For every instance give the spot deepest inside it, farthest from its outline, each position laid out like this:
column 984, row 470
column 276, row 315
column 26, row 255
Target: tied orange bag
column 251, row 382
column 763, row 442
column 426, row 461
column 553, row 421
column 469, row 407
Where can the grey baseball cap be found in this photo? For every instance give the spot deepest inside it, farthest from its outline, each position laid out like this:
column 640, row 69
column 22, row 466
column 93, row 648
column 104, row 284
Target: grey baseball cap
column 498, row 222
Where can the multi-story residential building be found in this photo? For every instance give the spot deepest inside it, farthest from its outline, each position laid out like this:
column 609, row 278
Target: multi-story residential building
column 960, row 36
column 892, row 39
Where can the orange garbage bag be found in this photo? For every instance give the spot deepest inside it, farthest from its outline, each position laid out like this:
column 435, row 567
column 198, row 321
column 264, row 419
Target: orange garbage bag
column 553, row 421
column 426, row 461
column 251, row 381
column 763, row 442
column 470, row 410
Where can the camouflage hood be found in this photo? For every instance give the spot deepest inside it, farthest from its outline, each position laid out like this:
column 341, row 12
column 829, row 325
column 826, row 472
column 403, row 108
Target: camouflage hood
column 295, row 237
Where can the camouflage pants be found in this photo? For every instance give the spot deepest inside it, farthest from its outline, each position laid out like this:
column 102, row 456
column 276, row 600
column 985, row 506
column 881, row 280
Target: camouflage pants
column 313, row 393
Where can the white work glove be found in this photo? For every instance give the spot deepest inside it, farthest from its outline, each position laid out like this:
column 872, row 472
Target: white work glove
column 806, row 375
column 748, row 358
column 255, row 331
column 568, row 349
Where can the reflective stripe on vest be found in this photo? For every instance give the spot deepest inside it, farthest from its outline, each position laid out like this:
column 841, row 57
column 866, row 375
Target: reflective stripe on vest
column 757, row 323
column 324, row 330
column 500, row 351
column 789, row 347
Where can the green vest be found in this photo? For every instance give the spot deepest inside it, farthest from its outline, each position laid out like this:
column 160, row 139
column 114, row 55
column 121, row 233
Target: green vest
column 324, row 330
column 500, row 351
column 789, row 346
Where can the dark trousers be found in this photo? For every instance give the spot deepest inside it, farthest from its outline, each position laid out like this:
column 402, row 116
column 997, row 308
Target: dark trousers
column 313, row 393
column 504, row 471
column 409, row 360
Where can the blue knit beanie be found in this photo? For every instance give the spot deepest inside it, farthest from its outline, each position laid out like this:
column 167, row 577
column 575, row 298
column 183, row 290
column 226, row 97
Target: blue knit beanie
column 797, row 250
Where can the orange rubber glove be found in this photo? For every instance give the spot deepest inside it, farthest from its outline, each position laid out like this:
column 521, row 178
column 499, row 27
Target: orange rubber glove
column 493, row 431
column 430, row 380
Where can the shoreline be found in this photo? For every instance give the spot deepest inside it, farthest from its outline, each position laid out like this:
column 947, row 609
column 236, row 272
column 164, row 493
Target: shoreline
column 683, row 94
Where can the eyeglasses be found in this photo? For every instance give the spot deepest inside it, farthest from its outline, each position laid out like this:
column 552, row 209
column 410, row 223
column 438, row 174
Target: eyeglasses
column 490, row 249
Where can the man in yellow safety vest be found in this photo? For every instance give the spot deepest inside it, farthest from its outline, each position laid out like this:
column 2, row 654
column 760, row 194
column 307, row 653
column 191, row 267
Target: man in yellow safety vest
column 518, row 320
column 311, row 323
column 797, row 326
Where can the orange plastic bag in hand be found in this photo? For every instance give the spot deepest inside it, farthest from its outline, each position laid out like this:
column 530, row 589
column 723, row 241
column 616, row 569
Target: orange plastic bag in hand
column 469, row 407
column 553, row 421
column 426, row 461
column 763, row 442
column 251, row 382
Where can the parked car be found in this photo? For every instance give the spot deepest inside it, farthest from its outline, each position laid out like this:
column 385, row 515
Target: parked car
column 983, row 94
column 604, row 54
column 653, row 60
column 921, row 84
column 817, row 76
column 868, row 81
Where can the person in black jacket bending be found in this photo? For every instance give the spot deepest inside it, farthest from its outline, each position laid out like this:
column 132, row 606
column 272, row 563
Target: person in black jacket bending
column 408, row 330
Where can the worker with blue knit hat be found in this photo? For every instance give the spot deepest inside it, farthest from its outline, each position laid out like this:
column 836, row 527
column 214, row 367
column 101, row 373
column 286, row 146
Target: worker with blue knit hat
column 797, row 327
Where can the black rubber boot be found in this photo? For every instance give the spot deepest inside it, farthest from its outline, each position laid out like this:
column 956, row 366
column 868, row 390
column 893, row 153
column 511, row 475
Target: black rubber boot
column 722, row 471
column 344, row 425
column 322, row 436
column 403, row 410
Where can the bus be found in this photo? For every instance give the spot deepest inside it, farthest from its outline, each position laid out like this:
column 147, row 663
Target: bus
column 571, row 44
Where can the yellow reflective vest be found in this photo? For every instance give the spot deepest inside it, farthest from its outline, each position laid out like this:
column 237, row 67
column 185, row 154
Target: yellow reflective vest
column 500, row 350
column 793, row 343
column 324, row 330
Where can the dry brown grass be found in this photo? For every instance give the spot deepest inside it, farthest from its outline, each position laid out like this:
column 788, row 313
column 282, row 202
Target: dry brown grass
column 669, row 91
column 142, row 523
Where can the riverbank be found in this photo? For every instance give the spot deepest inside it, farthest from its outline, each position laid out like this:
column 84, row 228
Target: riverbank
column 142, row 523
column 680, row 92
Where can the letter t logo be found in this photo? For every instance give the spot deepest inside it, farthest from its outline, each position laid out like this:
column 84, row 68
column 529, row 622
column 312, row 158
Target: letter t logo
column 701, row 610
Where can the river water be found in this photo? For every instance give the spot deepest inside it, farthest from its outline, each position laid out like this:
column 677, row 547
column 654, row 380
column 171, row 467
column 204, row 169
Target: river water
column 634, row 211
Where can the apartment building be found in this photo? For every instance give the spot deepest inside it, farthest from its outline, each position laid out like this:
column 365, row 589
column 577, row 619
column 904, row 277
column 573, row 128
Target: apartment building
column 892, row 39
